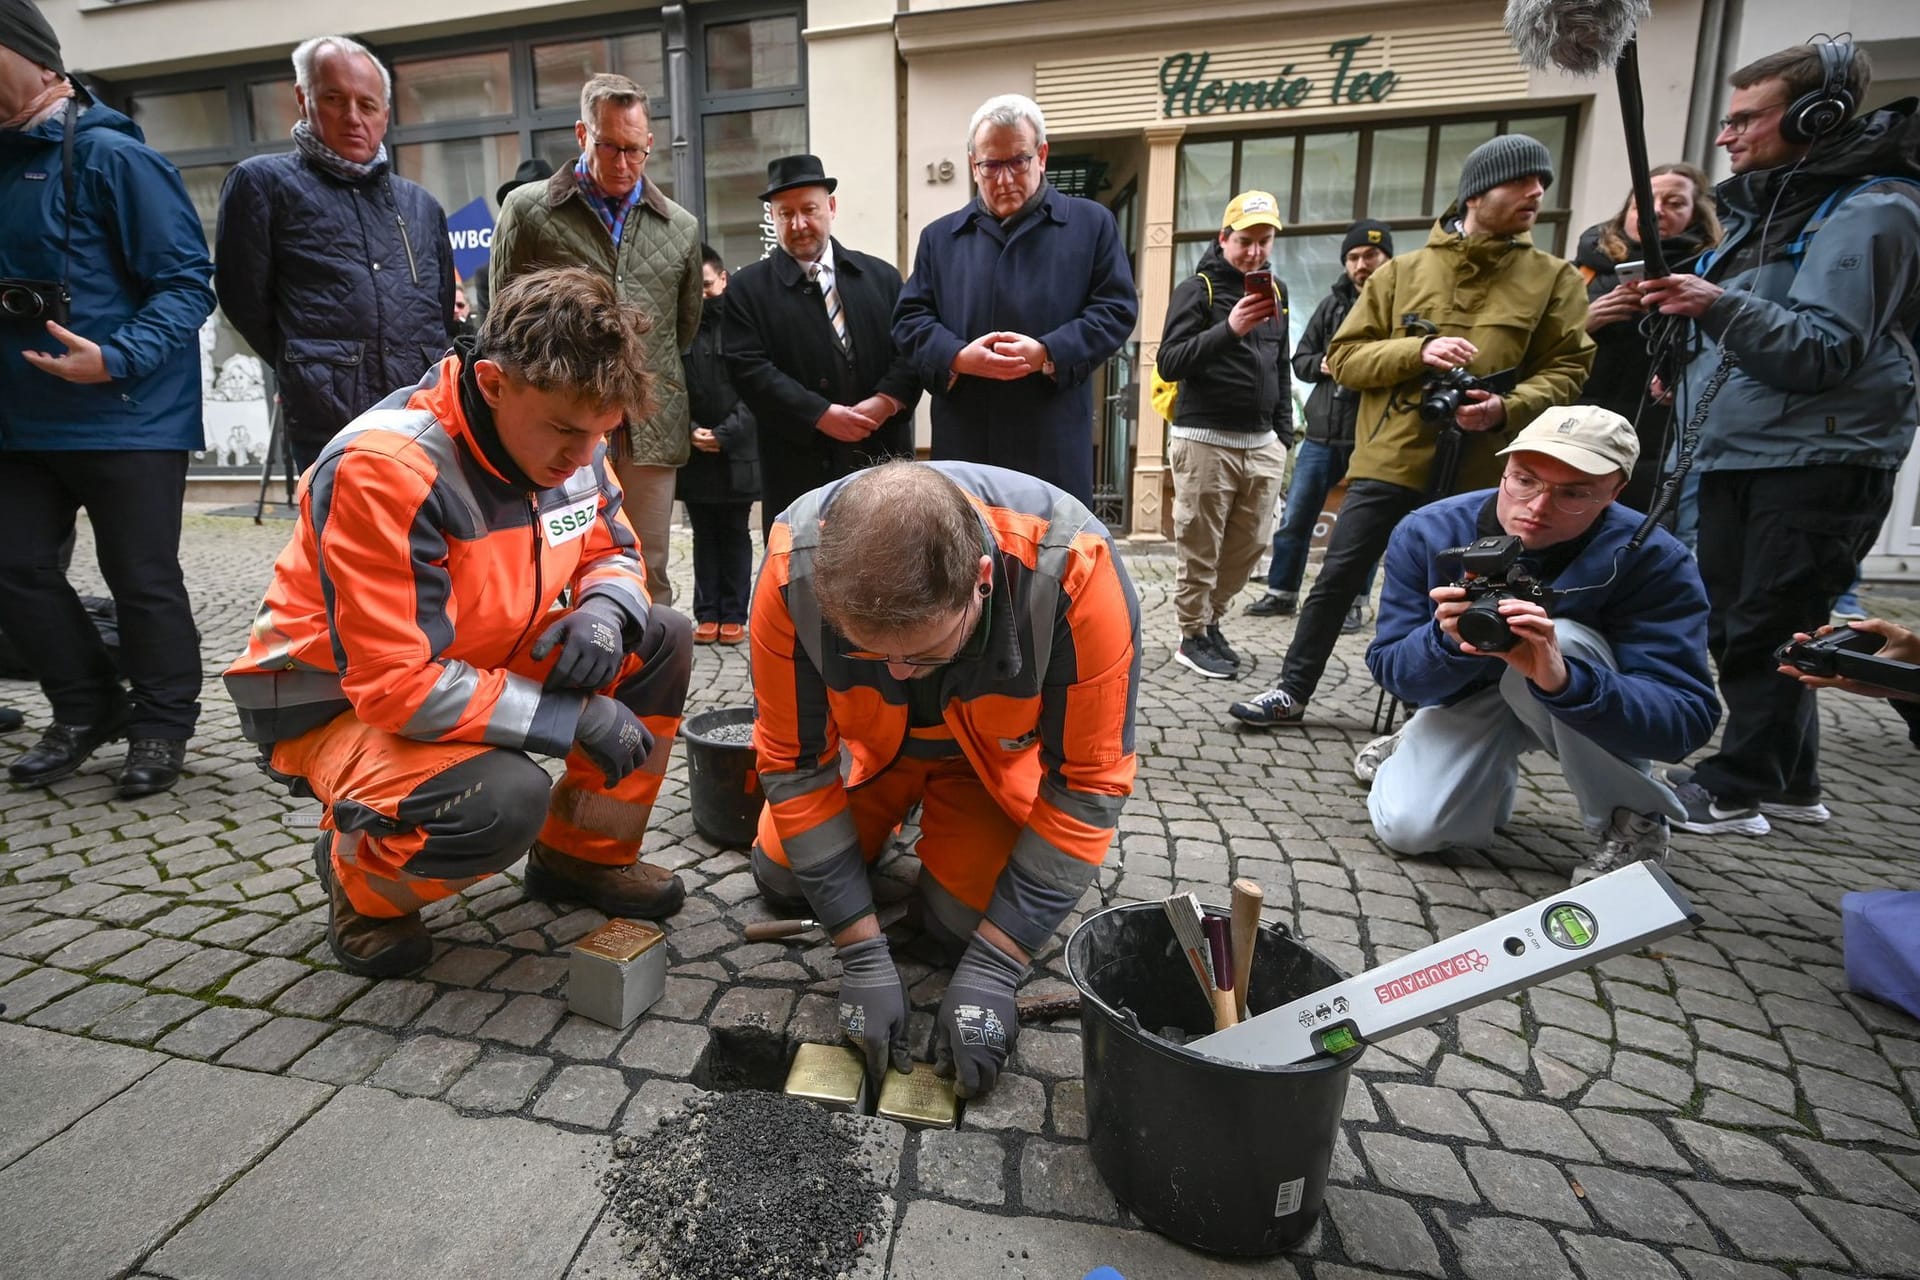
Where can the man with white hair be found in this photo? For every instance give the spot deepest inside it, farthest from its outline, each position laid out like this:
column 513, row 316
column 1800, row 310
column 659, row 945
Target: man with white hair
column 1015, row 302
column 335, row 270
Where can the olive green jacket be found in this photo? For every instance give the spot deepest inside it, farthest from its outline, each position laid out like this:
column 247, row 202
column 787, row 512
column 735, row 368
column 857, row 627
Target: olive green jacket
column 656, row 268
column 1523, row 308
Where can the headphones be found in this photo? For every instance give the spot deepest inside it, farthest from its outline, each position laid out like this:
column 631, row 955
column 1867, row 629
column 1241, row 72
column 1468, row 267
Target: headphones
column 1813, row 116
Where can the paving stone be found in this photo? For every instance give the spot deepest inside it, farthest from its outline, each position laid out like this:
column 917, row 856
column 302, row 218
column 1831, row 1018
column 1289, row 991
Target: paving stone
column 260, row 981
column 182, row 921
column 1418, row 1168
column 345, row 1057
column 524, row 1020
column 203, row 970
column 142, row 963
column 1828, row 1019
column 585, row 1096
column 580, row 1037
column 1737, row 1157
column 1070, row 1109
column 1640, row 1207
column 392, row 1003
column 146, row 1020
column 1637, row 1031
column 653, row 1100
column 530, row 973
column 499, row 1082
column 687, row 999
column 53, row 1080
column 210, row 1033
column 1762, row 1224
column 1525, row 1185
column 320, row 993
column 1655, row 1077
column 514, row 1217
column 1015, row 1102
column 424, row 1065
column 938, row 1241
column 1430, row 1110
column 1051, row 1054
column 1856, row 1175
column 1494, row 1044
column 78, row 900
column 1584, row 1016
column 175, row 1139
column 461, row 1012
column 275, row 1045
column 1831, row 1091
column 1584, row 1052
column 1600, row 1258
column 97, row 947
column 1534, row 1126
column 1724, row 1108
column 1882, row 1241
column 86, row 1006
column 1631, row 1140
column 235, row 931
column 466, row 966
column 664, row 1048
column 1743, row 1044
column 289, row 939
column 1746, row 1080
column 1058, row 1178
column 961, row 1166
column 1458, row 1075
column 1509, row 1249
column 759, row 1008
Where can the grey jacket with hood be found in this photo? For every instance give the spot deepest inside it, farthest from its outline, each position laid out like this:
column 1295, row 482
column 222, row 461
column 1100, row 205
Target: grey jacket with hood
column 1824, row 363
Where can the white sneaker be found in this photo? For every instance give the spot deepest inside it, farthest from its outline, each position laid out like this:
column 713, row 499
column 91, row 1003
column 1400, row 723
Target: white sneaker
column 1631, row 837
column 1367, row 760
column 1813, row 814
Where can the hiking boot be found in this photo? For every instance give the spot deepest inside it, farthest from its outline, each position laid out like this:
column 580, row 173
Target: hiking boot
column 153, row 765
column 371, row 946
column 1196, row 653
column 1802, row 809
column 638, row 889
column 1221, row 647
column 1631, row 837
column 1274, row 604
column 63, row 748
column 1264, row 711
column 1707, row 816
column 1367, row 760
column 1356, row 618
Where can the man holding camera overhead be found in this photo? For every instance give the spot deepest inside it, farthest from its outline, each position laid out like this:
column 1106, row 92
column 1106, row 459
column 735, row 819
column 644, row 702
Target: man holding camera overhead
column 1478, row 300
column 1521, row 619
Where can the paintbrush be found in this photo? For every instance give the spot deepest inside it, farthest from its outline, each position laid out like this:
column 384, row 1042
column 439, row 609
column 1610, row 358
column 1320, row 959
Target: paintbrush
column 1220, row 947
column 1183, row 913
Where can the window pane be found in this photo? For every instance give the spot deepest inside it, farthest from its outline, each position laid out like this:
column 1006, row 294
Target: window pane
column 1326, row 176
column 761, row 54
column 738, row 146
column 457, row 170
column 203, row 188
column 1206, row 184
column 1187, row 255
column 182, row 121
column 1399, row 172
column 560, row 69
column 1266, row 164
column 1308, row 265
column 461, row 87
column 272, row 110
column 559, row 148
column 1456, row 140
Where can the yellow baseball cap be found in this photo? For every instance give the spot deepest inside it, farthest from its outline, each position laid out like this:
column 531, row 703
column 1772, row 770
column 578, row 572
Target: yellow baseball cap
column 1252, row 209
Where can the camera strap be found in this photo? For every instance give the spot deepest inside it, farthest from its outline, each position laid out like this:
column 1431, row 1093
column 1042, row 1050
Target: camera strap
column 68, row 183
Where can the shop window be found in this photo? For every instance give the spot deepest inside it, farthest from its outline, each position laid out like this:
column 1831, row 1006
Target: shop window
column 763, row 53
column 1398, row 184
column 457, row 170
column 1329, row 164
column 184, row 121
column 1206, row 183
column 738, row 146
column 1266, row 164
column 560, row 69
column 271, row 110
column 462, row 86
column 203, row 188
column 1450, row 154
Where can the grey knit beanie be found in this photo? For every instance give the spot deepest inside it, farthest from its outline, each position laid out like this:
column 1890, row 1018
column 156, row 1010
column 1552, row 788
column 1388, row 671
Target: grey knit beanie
column 1503, row 159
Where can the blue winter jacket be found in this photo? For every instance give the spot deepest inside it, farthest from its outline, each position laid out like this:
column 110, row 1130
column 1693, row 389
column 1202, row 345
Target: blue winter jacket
column 1658, row 704
column 141, row 284
column 1061, row 276
column 345, row 288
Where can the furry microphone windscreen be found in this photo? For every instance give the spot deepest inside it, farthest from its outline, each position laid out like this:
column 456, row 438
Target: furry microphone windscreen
column 1584, row 37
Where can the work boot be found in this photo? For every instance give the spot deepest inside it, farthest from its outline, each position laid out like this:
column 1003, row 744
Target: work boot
column 637, row 889
column 63, row 748
column 153, row 764
column 371, row 946
column 1274, row 604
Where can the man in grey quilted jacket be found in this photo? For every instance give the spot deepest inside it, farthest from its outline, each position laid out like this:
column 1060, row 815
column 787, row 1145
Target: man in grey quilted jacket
column 600, row 212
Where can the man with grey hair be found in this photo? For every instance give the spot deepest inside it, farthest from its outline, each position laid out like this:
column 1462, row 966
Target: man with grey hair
column 601, row 213
column 1014, row 304
column 334, row 269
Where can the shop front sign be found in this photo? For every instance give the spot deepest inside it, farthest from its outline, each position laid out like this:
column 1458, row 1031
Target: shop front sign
column 1187, row 90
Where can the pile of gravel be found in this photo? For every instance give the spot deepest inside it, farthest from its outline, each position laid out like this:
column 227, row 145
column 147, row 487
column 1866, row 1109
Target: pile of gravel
column 744, row 1186
column 739, row 734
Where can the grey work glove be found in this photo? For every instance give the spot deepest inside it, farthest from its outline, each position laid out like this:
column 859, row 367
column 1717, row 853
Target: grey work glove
column 978, row 1023
column 873, row 1005
column 589, row 639
column 612, row 737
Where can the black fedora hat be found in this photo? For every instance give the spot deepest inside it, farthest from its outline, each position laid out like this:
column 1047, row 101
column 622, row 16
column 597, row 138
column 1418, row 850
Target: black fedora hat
column 529, row 171
column 789, row 172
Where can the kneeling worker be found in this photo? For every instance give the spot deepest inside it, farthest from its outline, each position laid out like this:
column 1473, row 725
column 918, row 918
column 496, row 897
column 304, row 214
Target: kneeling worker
column 970, row 637
column 1606, row 668
column 406, row 665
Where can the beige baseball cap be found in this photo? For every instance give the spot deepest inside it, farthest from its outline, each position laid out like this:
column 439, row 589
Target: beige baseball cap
column 1584, row 436
column 1252, row 209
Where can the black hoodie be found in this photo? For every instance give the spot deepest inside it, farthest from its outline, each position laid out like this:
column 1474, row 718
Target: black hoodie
column 1227, row 382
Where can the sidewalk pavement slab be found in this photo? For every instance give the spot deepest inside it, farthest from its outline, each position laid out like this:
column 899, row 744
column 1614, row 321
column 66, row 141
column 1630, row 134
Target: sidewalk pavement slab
column 52, row 1080
column 940, row 1242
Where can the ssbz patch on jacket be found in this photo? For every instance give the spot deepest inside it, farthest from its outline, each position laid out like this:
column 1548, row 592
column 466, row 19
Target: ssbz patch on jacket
column 570, row 522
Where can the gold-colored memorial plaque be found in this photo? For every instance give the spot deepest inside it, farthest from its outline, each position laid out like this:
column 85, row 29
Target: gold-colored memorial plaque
column 919, row 1098
column 620, row 940
column 833, row 1075
column 617, row 972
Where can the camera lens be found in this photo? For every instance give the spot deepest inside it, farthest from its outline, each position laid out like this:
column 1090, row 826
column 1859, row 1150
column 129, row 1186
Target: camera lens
column 23, row 304
column 1482, row 626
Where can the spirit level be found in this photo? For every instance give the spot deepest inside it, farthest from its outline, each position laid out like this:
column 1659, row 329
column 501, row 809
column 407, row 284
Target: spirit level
column 1620, row 911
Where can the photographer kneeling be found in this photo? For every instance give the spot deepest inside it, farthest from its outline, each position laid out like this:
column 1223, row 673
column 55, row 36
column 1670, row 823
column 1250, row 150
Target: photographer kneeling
column 1558, row 636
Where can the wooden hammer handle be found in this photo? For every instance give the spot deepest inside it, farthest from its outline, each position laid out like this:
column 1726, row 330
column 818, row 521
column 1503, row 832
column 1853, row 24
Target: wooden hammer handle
column 1247, row 901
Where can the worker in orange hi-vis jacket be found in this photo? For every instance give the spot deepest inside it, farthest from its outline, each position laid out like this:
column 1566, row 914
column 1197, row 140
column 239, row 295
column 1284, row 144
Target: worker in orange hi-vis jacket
column 971, row 639
column 408, row 662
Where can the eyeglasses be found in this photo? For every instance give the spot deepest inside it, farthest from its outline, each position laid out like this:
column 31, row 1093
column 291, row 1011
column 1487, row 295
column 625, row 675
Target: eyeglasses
column 1015, row 165
column 955, row 643
column 1572, row 499
column 1739, row 122
column 631, row 155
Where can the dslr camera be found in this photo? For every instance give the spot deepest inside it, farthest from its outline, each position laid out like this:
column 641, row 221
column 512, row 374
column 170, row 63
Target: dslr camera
column 1852, row 654
column 1489, row 573
column 1442, row 394
column 34, row 302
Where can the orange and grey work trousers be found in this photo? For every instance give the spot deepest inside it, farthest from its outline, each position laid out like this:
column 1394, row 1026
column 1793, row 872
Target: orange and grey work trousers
column 965, row 836
column 419, row 821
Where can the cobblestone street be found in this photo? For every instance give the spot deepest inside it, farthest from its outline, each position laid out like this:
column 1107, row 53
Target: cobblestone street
column 189, row 1087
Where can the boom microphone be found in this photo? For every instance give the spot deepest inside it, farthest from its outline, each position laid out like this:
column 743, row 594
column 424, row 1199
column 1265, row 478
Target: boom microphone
column 1584, row 37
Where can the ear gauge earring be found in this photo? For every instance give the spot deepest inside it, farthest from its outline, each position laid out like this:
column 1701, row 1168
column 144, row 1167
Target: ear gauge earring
column 985, row 588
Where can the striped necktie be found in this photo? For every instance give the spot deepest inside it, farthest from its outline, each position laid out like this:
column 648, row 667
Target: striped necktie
column 831, row 293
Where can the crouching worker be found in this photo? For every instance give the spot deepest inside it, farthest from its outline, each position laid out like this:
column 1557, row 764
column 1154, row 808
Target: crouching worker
column 969, row 636
column 1564, row 640
column 407, row 665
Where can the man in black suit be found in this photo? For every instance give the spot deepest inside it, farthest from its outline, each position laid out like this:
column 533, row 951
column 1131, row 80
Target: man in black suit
column 808, row 337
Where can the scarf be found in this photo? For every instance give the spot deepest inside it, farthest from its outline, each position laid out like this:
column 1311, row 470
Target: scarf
column 613, row 210
column 327, row 160
column 43, row 105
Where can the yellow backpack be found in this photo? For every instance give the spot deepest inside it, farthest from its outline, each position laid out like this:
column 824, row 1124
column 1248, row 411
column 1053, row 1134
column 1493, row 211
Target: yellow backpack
column 1161, row 393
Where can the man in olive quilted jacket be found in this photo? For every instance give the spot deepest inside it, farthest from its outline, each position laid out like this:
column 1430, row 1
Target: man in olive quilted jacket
column 600, row 212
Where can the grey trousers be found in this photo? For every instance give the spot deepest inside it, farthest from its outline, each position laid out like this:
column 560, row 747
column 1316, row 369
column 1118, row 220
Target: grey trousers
column 1452, row 779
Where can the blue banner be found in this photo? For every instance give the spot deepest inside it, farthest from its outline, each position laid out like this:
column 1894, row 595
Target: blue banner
column 470, row 228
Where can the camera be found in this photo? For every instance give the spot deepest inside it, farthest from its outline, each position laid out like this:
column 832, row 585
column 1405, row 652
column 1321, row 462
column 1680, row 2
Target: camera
column 1821, row 656
column 1490, row 573
column 34, row 302
column 1441, row 395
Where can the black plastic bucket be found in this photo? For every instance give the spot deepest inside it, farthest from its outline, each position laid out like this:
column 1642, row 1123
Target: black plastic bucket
column 1230, row 1159
column 722, row 783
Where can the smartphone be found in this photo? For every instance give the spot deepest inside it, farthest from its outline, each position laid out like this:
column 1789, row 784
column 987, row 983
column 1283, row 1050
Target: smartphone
column 1260, row 282
column 1631, row 272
